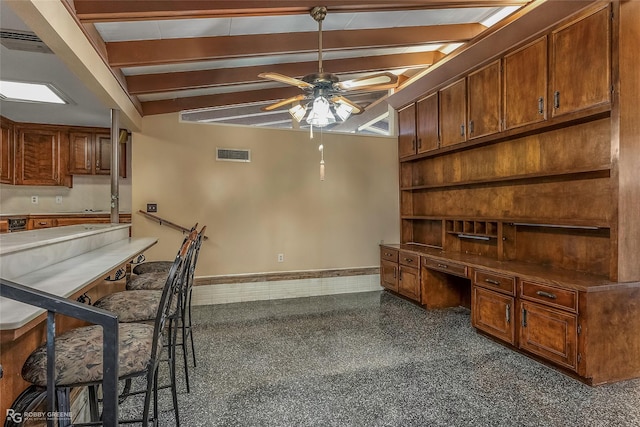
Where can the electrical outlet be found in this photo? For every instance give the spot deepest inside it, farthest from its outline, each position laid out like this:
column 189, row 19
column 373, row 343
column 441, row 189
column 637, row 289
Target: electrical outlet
column 280, row 257
column 34, row 200
column 152, row 207
column 58, row 200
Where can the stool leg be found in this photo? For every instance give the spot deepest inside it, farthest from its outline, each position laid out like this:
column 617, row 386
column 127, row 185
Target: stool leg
column 64, row 406
column 193, row 348
column 185, row 356
column 94, row 412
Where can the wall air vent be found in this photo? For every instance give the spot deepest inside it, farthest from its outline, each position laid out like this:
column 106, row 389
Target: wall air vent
column 233, row 155
column 22, row 40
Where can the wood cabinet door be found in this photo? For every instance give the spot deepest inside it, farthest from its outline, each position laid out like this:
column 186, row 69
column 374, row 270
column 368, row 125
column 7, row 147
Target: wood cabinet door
column 81, row 153
column 493, row 313
column 407, row 131
column 103, row 154
column 525, row 85
column 6, row 154
column 549, row 333
column 427, row 123
column 409, row 282
column 484, row 101
column 38, row 157
column 581, row 64
column 453, row 113
column 389, row 275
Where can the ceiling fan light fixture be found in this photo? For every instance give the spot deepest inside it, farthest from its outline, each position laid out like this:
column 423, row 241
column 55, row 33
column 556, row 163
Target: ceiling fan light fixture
column 321, row 115
column 297, row 112
column 343, row 111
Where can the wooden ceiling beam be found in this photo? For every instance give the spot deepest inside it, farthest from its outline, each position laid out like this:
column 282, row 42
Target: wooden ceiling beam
column 128, row 10
column 218, row 100
column 167, row 82
column 170, row 51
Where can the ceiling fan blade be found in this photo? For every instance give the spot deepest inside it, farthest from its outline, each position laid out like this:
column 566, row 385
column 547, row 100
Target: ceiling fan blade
column 342, row 100
column 380, row 80
column 286, row 79
column 279, row 104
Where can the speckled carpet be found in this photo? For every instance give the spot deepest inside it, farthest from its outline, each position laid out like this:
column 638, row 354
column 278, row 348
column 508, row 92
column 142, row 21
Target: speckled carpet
column 372, row 359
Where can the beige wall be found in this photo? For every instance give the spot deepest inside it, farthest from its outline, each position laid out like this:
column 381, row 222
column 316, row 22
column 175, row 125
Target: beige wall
column 275, row 204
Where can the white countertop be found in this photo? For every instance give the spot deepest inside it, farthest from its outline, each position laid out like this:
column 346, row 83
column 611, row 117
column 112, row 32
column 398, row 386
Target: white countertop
column 15, row 242
column 71, row 275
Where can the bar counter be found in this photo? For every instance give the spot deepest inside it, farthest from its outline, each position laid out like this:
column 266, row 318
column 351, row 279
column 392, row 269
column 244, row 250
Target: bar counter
column 66, row 261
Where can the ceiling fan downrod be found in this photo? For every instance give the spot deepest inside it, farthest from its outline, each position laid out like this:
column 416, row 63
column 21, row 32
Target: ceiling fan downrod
column 318, row 13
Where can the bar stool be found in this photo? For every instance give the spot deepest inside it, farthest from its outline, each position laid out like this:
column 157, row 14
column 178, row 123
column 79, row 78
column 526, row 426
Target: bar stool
column 139, row 305
column 151, row 267
column 78, row 360
column 153, row 281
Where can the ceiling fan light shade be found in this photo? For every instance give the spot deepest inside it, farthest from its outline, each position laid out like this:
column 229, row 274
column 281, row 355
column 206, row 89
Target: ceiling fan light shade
column 343, row 111
column 297, row 112
column 320, row 115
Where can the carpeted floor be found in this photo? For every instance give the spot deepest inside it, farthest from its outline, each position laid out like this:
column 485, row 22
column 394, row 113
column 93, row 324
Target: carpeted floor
column 372, row 359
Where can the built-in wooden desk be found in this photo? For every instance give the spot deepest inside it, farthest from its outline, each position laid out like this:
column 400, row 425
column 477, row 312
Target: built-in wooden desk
column 582, row 323
column 65, row 261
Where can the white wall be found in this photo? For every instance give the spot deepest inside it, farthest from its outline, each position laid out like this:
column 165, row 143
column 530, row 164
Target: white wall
column 275, row 204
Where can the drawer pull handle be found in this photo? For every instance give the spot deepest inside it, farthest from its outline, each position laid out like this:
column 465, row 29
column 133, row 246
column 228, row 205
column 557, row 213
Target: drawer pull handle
column 443, row 266
column 546, row 294
column 42, row 223
column 508, row 313
column 493, row 282
column 408, row 259
column 387, row 254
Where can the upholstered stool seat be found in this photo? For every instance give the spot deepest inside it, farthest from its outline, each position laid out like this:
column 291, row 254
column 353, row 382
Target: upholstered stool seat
column 150, row 281
column 79, row 355
column 134, row 306
column 152, row 267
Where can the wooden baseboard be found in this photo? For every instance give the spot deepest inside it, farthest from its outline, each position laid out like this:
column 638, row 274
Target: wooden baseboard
column 285, row 275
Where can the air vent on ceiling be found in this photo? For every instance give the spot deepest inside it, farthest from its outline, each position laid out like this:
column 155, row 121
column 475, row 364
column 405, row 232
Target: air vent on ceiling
column 233, row 155
column 22, row 40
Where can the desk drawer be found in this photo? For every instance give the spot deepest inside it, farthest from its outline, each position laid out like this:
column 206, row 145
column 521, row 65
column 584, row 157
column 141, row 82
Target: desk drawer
column 389, row 254
column 497, row 282
column 411, row 260
column 446, row 266
column 549, row 295
column 35, row 224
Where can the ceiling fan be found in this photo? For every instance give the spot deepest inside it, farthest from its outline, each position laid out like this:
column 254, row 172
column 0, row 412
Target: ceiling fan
column 324, row 91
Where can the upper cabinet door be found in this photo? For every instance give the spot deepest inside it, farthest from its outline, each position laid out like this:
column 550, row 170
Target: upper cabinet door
column 484, row 101
column 407, row 131
column 103, row 154
column 6, row 154
column 581, row 64
column 525, row 85
column 80, row 153
column 38, row 157
column 427, row 118
column 453, row 113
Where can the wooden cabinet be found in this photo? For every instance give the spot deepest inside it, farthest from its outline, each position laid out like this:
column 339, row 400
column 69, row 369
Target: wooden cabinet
column 407, row 131
column 581, row 64
column 453, row 113
column 90, row 154
column 40, row 155
column 427, row 124
column 549, row 333
column 493, row 313
column 525, row 85
column 7, row 153
column 484, row 101
column 409, row 275
column 389, row 268
column 39, row 223
column 493, row 305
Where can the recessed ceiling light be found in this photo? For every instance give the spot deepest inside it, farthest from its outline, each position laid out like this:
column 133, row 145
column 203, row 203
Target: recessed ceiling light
column 30, row 92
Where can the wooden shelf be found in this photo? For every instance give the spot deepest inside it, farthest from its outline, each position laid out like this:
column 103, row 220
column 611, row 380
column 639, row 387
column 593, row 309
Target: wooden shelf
column 587, row 115
column 603, row 171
